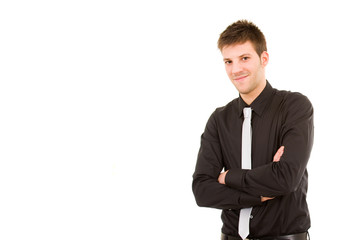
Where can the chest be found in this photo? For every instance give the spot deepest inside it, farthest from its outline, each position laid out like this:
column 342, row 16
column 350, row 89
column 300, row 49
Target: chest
column 266, row 138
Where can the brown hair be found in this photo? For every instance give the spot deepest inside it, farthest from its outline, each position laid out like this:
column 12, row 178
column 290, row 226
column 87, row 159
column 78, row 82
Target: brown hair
column 241, row 32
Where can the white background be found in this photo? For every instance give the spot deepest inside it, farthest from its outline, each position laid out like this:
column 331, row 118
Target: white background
column 102, row 104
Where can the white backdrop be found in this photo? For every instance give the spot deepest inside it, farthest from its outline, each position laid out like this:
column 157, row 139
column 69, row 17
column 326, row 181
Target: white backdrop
column 102, row 104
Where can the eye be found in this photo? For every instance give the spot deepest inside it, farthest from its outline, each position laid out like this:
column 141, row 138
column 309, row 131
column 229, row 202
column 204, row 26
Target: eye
column 228, row 62
column 245, row 58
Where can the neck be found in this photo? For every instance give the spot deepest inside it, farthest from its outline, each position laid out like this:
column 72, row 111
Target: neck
column 251, row 96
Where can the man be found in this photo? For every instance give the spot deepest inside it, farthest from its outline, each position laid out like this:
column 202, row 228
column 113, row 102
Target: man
column 273, row 189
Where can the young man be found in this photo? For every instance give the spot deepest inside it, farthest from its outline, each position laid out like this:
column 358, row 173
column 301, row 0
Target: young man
column 269, row 195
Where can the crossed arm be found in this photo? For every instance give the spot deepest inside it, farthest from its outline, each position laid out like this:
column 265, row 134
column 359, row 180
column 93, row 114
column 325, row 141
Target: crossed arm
column 277, row 156
column 239, row 188
column 209, row 187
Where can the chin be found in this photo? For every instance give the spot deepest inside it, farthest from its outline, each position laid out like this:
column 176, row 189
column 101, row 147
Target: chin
column 242, row 90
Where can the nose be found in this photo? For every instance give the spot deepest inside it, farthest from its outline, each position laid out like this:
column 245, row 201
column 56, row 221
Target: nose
column 237, row 68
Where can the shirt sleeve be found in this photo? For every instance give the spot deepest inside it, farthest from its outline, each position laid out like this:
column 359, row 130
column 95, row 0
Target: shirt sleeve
column 283, row 177
column 207, row 190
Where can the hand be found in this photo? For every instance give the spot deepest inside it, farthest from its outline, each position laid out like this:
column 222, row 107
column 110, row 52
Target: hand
column 278, row 154
column 263, row 199
column 221, row 178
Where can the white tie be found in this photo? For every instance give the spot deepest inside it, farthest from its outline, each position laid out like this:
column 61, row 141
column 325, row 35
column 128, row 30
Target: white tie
column 244, row 218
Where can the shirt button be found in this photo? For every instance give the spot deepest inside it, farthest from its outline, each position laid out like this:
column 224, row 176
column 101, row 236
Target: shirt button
column 251, row 216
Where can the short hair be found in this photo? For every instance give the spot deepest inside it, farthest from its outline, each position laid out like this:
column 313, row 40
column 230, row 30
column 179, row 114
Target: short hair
column 241, row 32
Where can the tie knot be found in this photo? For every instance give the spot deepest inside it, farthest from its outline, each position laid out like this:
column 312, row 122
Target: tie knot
column 247, row 112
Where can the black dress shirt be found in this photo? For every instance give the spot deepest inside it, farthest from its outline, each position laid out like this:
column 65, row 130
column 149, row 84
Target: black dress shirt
column 280, row 118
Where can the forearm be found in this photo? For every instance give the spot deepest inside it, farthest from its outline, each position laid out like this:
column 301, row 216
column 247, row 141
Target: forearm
column 276, row 178
column 264, row 181
column 210, row 193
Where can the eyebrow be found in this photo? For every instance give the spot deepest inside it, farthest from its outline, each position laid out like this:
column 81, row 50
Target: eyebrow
column 242, row 55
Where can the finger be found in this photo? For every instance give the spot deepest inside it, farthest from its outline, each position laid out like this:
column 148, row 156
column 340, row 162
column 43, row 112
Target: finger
column 278, row 154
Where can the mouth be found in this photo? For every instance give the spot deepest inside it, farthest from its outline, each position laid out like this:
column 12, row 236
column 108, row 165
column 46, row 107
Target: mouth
column 240, row 78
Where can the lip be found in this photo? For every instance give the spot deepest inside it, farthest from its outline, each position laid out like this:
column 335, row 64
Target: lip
column 240, row 78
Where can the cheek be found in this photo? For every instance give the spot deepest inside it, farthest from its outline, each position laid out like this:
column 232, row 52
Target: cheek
column 228, row 70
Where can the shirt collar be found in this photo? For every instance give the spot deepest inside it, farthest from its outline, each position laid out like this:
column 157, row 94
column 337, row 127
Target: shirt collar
column 260, row 103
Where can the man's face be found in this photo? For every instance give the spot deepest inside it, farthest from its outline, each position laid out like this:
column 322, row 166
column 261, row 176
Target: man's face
column 245, row 68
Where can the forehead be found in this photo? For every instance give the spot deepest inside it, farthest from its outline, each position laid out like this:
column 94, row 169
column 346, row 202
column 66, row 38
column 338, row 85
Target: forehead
column 238, row 49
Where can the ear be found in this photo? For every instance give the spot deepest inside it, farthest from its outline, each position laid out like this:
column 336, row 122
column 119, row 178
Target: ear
column 264, row 58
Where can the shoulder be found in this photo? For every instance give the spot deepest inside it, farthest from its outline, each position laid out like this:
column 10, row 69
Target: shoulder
column 220, row 117
column 229, row 109
column 295, row 106
column 225, row 113
column 294, row 100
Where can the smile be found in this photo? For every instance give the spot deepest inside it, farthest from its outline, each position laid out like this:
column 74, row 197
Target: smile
column 240, row 78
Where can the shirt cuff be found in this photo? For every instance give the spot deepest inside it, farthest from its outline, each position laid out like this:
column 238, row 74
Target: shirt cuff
column 247, row 200
column 235, row 177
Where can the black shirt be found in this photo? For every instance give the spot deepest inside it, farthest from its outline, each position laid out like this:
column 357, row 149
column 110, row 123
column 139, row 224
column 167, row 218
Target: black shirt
column 280, row 118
